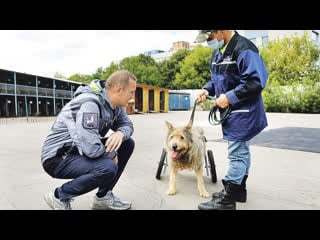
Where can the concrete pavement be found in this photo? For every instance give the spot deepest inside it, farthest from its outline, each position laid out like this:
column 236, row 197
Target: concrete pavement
column 284, row 174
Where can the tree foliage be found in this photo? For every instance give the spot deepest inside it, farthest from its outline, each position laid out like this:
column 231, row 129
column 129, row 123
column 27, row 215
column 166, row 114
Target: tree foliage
column 59, row 75
column 144, row 68
column 291, row 59
column 293, row 84
column 194, row 72
column 83, row 78
column 98, row 74
column 170, row 67
column 109, row 70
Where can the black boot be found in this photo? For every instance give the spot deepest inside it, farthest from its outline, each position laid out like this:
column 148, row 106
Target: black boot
column 240, row 195
column 222, row 192
column 227, row 202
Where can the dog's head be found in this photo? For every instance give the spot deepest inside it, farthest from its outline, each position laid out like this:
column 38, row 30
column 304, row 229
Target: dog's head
column 179, row 140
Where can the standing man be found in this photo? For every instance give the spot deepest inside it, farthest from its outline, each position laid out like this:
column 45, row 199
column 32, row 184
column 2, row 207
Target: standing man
column 76, row 147
column 238, row 76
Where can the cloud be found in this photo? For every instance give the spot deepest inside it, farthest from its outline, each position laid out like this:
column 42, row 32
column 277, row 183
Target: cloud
column 45, row 52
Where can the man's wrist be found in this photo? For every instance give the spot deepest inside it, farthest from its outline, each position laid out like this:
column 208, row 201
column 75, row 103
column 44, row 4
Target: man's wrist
column 121, row 132
column 205, row 91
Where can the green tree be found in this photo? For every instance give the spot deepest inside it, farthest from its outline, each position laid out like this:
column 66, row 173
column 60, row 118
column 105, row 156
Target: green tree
column 169, row 68
column 109, row 70
column 144, row 68
column 291, row 59
column 294, row 77
column 82, row 78
column 59, row 75
column 194, row 72
column 98, row 74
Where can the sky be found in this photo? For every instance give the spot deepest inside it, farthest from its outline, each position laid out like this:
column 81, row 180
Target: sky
column 68, row 52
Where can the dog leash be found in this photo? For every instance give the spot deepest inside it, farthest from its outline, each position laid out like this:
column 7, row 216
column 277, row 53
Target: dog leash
column 192, row 114
column 213, row 119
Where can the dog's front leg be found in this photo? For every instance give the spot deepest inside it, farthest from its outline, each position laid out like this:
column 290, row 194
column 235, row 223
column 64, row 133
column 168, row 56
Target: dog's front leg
column 202, row 190
column 172, row 181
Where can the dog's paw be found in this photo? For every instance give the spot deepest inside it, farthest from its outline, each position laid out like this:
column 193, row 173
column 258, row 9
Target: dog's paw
column 171, row 192
column 204, row 194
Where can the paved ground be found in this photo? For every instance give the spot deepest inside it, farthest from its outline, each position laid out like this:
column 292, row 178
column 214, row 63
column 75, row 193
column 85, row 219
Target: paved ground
column 284, row 172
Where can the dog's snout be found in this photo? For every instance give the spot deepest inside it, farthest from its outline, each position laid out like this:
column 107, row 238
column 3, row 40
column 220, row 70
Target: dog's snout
column 174, row 146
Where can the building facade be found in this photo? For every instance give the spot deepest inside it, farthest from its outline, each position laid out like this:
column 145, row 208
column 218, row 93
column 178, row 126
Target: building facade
column 24, row 94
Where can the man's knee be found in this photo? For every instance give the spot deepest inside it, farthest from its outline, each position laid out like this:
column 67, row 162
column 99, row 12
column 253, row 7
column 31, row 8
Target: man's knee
column 107, row 171
column 128, row 145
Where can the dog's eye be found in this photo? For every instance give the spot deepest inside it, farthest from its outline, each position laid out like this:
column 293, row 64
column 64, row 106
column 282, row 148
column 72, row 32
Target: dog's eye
column 181, row 137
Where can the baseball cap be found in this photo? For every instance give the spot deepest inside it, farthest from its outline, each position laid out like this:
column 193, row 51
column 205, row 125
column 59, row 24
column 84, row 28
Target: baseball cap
column 202, row 36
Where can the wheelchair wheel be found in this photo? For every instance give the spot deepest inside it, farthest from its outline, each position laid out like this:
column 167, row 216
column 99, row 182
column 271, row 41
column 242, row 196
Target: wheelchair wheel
column 212, row 166
column 161, row 163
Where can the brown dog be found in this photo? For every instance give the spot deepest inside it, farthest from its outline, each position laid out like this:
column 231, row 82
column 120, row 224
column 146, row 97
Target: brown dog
column 186, row 149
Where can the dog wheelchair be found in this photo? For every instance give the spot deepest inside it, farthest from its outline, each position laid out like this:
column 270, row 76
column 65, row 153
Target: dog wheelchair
column 209, row 164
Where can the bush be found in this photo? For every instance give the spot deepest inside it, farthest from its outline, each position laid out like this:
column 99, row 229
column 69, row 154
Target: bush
column 298, row 98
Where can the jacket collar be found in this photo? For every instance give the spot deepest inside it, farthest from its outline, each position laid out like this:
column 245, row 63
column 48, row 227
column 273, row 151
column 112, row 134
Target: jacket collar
column 232, row 44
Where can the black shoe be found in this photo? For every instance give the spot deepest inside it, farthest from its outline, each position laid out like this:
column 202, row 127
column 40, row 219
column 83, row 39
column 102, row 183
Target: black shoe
column 218, row 204
column 230, row 194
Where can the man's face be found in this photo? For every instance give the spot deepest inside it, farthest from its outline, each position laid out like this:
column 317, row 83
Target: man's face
column 128, row 92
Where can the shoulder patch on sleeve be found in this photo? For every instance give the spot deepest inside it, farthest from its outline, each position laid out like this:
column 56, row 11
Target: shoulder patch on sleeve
column 90, row 120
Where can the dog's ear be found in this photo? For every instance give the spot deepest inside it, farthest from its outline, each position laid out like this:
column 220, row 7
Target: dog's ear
column 169, row 125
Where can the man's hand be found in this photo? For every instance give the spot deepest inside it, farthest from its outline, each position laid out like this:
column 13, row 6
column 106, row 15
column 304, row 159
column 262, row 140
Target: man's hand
column 201, row 97
column 222, row 101
column 114, row 141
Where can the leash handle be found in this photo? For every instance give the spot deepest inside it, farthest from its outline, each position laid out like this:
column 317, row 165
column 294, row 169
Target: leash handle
column 213, row 119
